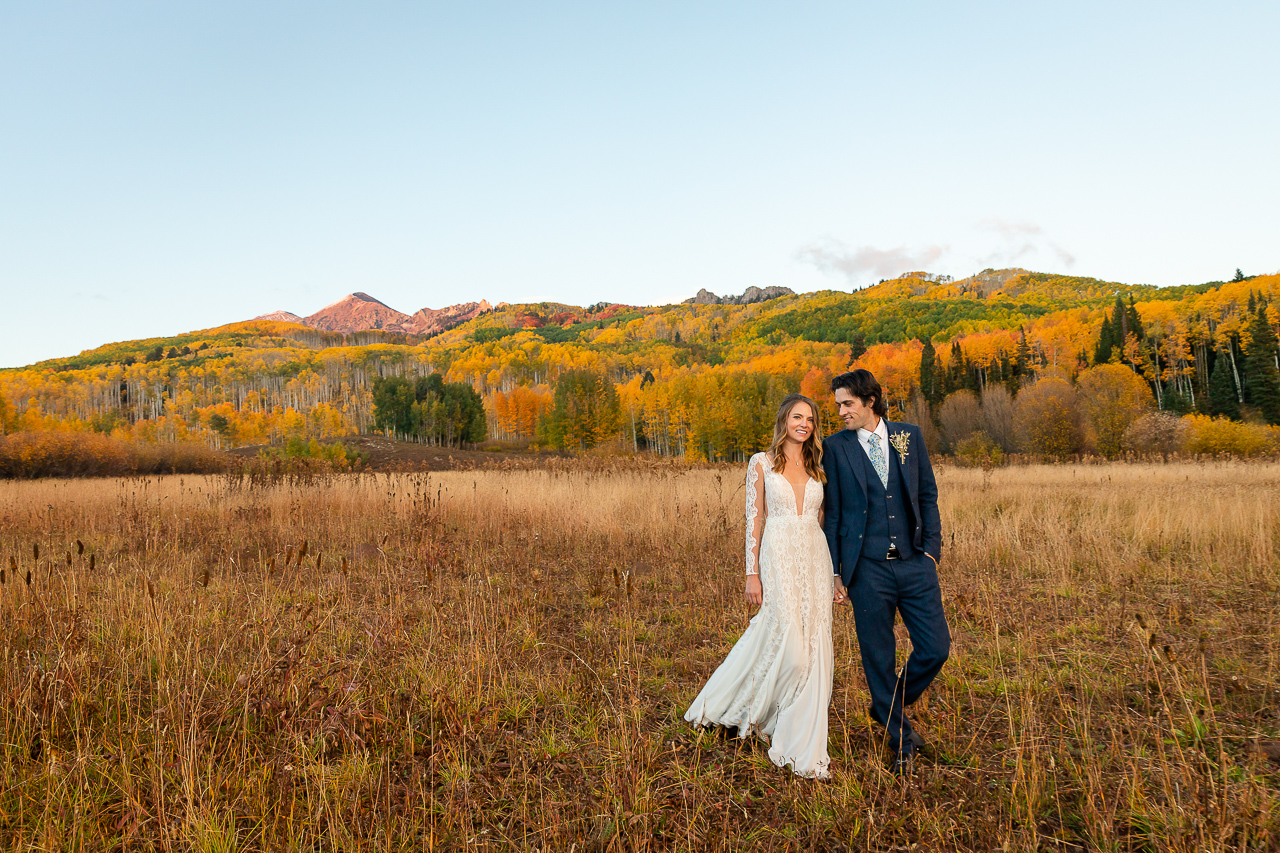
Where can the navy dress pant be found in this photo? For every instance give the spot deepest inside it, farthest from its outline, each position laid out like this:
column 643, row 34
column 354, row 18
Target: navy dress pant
column 909, row 587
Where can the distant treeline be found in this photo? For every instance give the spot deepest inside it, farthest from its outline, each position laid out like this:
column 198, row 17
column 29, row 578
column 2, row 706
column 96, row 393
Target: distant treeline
column 678, row 380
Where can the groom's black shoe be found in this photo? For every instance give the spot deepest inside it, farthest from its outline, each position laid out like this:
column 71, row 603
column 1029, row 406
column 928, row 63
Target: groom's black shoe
column 904, row 759
column 917, row 741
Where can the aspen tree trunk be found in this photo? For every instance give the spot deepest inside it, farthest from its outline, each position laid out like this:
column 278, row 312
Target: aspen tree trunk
column 1231, row 350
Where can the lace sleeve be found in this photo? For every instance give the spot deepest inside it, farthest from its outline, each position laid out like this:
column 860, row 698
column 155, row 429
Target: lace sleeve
column 755, row 512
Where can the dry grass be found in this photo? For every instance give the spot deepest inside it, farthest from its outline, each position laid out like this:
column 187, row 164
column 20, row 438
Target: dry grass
column 501, row 659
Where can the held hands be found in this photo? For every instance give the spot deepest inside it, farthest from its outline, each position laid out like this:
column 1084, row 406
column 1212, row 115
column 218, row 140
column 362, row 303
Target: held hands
column 754, row 593
column 838, row 594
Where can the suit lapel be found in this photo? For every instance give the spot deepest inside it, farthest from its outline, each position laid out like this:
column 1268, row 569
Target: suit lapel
column 850, row 446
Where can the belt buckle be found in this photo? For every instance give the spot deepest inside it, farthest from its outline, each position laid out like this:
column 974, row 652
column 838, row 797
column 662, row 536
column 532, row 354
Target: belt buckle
column 894, row 554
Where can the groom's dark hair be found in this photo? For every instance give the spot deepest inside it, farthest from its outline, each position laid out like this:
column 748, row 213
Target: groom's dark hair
column 861, row 384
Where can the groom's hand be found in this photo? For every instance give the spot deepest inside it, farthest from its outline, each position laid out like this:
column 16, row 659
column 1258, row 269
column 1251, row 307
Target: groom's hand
column 838, row 594
column 755, row 595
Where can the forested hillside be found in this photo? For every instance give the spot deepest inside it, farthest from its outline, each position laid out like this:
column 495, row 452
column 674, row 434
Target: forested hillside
column 686, row 379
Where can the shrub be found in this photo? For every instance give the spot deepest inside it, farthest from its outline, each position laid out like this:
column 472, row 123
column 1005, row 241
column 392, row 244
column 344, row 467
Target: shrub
column 337, row 455
column 1112, row 397
column 1046, row 418
column 1157, row 432
column 978, row 450
column 959, row 417
column 31, row 454
column 1222, row 435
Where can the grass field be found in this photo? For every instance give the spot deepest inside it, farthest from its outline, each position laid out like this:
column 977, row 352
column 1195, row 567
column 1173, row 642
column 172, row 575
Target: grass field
column 501, row 660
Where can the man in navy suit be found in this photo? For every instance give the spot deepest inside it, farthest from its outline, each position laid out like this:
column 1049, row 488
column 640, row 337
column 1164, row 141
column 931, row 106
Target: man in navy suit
column 885, row 536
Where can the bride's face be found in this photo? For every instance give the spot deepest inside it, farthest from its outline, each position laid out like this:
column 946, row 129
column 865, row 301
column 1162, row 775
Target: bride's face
column 800, row 423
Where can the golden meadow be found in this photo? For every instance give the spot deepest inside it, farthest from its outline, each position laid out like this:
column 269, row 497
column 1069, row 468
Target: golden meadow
column 499, row 660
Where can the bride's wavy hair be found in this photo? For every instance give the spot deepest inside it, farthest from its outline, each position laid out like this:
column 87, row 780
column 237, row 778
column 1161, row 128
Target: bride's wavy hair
column 811, row 450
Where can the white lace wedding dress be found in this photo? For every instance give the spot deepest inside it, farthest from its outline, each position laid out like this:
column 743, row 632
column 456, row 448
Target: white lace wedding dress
column 776, row 681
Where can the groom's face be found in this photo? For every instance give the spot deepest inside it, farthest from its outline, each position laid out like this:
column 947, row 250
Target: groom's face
column 854, row 412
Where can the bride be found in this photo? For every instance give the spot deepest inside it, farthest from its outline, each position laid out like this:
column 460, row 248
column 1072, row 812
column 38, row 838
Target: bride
column 776, row 681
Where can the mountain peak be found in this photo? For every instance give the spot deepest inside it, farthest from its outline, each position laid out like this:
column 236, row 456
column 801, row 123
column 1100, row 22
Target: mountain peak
column 280, row 317
column 752, row 295
column 355, row 312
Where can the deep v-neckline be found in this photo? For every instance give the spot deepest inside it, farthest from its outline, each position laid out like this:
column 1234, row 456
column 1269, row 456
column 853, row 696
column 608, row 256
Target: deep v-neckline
column 799, row 498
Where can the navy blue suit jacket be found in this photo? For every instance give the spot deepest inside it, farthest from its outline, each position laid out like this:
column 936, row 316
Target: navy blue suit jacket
column 845, row 497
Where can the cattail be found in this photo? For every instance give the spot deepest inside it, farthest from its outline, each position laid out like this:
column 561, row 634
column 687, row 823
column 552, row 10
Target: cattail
column 318, row 562
column 35, row 549
column 1140, row 620
column 628, row 584
column 344, row 566
column 288, row 555
column 151, row 589
column 204, row 578
column 616, row 580
column 28, row 577
column 68, row 559
column 302, row 552
column 271, row 564
column 1, row 577
column 431, row 573
column 13, row 564
column 79, row 548
column 1151, row 640
column 1169, row 655
column 93, row 561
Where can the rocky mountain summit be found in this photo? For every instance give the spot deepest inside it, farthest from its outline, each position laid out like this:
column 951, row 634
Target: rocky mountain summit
column 433, row 322
column 282, row 317
column 358, row 312
column 749, row 297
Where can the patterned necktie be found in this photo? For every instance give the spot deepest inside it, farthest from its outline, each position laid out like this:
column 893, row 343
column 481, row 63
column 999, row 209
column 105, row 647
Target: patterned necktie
column 878, row 461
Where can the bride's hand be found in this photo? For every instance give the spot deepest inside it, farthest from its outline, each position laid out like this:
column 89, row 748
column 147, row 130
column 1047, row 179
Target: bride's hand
column 838, row 594
column 755, row 595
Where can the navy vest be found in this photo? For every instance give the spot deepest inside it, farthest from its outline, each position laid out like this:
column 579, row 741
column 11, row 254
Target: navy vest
column 888, row 516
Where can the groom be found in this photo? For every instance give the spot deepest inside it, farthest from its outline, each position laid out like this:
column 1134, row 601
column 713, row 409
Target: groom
column 885, row 537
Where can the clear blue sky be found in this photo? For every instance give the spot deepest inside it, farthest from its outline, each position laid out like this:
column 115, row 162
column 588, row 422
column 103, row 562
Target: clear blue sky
column 172, row 166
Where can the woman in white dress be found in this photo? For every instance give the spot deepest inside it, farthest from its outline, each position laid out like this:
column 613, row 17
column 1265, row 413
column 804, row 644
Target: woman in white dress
column 776, row 681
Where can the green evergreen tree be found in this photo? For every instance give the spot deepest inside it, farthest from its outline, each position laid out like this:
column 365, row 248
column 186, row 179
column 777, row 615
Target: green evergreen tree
column 1239, row 276
column 1023, row 363
column 1119, row 322
column 928, row 373
column 1173, row 401
column 940, row 379
column 1260, row 364
column 958, row 370
column 857, row 346
column 1223, row 399
column 1106, row 340
column 1133, row 323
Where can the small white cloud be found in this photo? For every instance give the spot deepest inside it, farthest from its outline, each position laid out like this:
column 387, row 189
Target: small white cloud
column 1020, row 239
column 833, row 256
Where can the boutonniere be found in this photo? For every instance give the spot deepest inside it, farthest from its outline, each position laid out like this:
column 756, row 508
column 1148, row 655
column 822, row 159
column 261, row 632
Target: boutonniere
column 901, row 442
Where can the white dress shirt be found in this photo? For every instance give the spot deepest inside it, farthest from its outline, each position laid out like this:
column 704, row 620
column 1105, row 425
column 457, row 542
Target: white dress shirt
column 864, row 438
